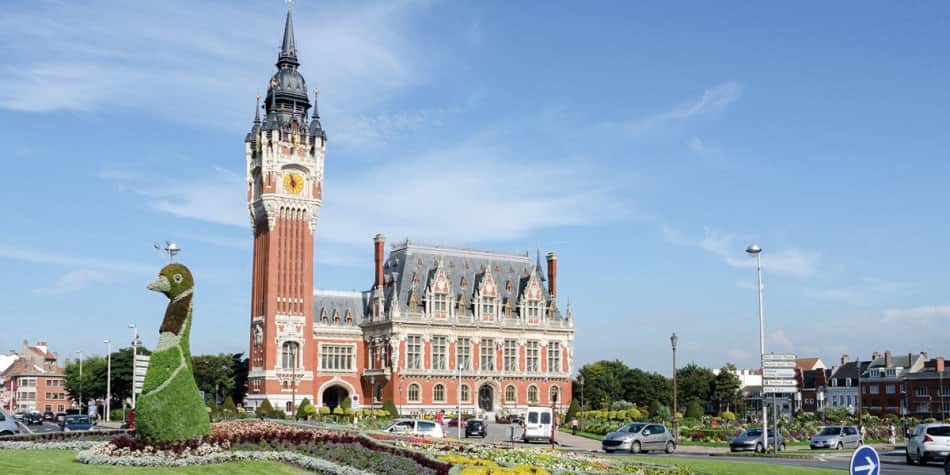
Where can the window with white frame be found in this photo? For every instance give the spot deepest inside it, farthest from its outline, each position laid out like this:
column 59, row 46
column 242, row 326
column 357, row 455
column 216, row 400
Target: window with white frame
column 413, row 393
column 510, row 355
column 440, row 304
column 533, row 309
column 466, row 395
column 890, row 389
column 532, row 394
column 438, row 393
column 875, row 389
column 439, row 352
column 488, row 307
column 511, row 394
column 463, row 350
column 532, row 355
column 554, row 393
column 554, row 356
column 336, row 357
column 373, row 354
column 414, row 352
column 27, row 382
column 946, row 390
column 486, row 349
column 920, row 392
column 290, row 355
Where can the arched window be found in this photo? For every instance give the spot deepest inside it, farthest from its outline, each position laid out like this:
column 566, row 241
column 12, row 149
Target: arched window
column 414, row 393
column 290, row 407
column 466, row 396
column 511, row 394
column 532, row 394
column 554, row 393
column 290, row 354
column 438, row 393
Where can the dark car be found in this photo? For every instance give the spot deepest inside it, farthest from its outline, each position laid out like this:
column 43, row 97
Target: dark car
column 475, row 427
column 49, row 415
column 32, row 418
column 74, row 423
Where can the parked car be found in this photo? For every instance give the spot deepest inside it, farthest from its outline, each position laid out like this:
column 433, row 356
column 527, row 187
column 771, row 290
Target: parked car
column 537, row 424
column 640, row 437
column 60, row 418
column 49, row 415
column 33, row 418
column 8, row 424
column 929, row 442
column 415, row 426
column 836, row 437
column 475, row 427
column 751, row 439
column 78, row 423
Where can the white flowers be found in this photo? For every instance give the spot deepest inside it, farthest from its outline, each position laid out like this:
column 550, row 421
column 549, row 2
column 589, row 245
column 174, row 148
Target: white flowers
column 95, row 457
column 65, row 445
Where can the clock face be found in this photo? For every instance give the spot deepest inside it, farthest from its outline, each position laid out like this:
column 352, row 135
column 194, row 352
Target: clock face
column 293, row 183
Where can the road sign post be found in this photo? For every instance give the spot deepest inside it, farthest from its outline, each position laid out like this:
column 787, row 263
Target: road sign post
column 778, row 377
column 865, row 461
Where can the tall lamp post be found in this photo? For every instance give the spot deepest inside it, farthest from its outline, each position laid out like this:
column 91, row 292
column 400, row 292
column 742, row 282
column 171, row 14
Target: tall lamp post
column 135, row 347
column 673, row 340
column 755, row 251
column 81, row 402
column 108, row 380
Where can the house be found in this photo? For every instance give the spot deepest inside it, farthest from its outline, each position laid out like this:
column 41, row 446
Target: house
column 35, row 381
column 842, row 389
column 883, row 389
column 928, row 390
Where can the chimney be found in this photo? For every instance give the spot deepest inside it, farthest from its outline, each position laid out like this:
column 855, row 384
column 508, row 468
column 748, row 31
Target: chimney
column 552, row 275
column 844, row 360
column 378, row 243
column 875, row 356
column 939, row 364
column 925, row 355
column 888, row 359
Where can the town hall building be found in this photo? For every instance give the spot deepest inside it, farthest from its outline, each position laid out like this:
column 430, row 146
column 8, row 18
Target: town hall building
column 439, row 327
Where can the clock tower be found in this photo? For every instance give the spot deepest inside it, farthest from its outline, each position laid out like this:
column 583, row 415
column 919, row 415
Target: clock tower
column 284, row 154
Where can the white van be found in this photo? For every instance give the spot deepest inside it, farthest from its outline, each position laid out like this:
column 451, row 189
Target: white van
column 537, row 424
column 415, row 427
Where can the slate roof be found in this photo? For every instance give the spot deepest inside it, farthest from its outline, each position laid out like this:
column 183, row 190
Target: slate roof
column 412, row 267
column 848, row 370
column 333, row 301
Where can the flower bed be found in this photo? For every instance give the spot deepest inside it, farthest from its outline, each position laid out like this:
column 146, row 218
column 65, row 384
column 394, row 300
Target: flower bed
column 99, row 435
column 92, row 456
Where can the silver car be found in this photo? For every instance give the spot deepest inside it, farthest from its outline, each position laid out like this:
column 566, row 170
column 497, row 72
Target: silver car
column 640, row 437
column 751, row 439
column 8, row 424
column 836, row 437
column 929, row 442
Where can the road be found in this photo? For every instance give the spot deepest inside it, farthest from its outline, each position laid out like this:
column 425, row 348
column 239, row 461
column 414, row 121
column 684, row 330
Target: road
column 45, row 427
column 891, row 461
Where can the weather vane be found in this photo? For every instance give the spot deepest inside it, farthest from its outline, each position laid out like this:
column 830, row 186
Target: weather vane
column 170, row 248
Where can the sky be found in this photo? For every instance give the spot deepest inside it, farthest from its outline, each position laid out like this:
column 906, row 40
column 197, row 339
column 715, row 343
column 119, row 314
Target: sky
column 647, row 143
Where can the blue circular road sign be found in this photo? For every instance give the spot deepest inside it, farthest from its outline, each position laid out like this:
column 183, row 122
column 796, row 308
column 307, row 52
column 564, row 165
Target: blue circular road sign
column 865, row 461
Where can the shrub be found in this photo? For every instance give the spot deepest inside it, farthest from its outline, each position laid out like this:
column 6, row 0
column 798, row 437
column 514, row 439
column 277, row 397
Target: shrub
column 338, row 411
column 302, row 409
column 229, row 407
column 390, row 407
column 728, row 416
column 116, row 415
column 265, row 409
column 212, row 406
column 572, row 411
column 346, row 404
column 694, row 409
column 324, row 411
column 620, row 405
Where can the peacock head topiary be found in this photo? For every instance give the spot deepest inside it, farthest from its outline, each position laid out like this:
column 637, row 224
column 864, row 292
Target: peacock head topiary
column 173, row 280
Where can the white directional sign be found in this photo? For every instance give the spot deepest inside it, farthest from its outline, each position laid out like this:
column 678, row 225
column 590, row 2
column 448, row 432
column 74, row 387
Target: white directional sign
column 141, row 366
column 772, row 373
column 778, row 363
column 780, row 382
column 774, row 357
column 780, row 389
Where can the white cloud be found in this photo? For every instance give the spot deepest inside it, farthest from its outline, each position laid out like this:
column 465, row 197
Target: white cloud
column 217, row 198
column 204, row 60
column 713, row 101
column 919, row 315
column 47, row 257
column 792, row 262
column 781, row 341
column 73, row 281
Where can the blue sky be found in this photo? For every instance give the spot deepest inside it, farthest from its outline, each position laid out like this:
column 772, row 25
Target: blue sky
column 646, row 143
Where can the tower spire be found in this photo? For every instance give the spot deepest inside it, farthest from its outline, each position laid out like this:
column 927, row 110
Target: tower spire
column 288, row 49
column 257, row 110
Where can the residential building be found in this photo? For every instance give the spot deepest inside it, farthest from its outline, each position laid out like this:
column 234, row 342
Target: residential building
column 883, row 389
column 5, row 362
column 35, row 381
column 842, row 391
column 439, row 326
column 813, row 385
column 928, row 390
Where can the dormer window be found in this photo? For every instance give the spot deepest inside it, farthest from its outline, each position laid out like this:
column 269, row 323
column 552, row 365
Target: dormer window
column 324, row 318
column 336, row 317
column 440, row 304
column 488, row 306
column 349, row 317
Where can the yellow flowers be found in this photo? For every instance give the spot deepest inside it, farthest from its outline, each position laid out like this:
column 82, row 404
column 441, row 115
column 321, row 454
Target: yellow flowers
column 519, row 470
column 460, row 460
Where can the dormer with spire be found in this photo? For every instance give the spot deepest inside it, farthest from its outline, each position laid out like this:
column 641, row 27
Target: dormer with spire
column 287, row 101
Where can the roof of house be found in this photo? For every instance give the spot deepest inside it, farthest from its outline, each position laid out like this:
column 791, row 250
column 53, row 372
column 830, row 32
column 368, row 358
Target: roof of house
column 809, row 363
column 848, row 370
column 25, row 367
column 336, row 303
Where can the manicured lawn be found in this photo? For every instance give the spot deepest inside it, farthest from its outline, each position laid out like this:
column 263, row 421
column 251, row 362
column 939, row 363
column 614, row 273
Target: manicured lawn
column 716, row 467
column 61, row 461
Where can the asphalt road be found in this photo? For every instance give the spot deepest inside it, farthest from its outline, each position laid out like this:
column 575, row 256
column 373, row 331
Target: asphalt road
column 46, row 426
column 891, row 462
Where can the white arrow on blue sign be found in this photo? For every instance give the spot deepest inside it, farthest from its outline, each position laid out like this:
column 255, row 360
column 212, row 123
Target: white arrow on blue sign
column 865, row 461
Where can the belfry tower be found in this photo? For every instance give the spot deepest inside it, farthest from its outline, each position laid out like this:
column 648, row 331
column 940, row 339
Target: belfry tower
column 284, row 154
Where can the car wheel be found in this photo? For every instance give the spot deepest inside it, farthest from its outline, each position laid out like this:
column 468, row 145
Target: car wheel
column 609, row 451
column 635, row 447
column 909, row 460
column 759, row 449
column 839, row 446
column 6, row 432
column 921, row 457
column 670, row 446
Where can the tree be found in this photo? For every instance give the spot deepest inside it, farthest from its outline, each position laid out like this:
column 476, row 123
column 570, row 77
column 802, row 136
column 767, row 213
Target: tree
column 229, row 407
column 726, row 387
column 93, row 378
column 694, row 410
column 604, row 382
column 643, row 387
column 239, row 367
column 303, row 408
column 214, row 374
column 694, row 383
column 265, row 409
column 390, row 407
column 572, row 410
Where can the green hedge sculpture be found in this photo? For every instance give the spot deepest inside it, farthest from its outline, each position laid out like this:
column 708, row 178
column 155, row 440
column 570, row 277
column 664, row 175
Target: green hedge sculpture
column 170, row 407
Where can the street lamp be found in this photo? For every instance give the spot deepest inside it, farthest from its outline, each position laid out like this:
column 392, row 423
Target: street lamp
column 81, row 402
column 108, row 380
column 135, row 346
column 673, row 340
column 755, row 251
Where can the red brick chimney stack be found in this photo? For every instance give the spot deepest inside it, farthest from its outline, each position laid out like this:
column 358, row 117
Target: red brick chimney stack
column 552, row 274
column 939, row 365
column 379, row 243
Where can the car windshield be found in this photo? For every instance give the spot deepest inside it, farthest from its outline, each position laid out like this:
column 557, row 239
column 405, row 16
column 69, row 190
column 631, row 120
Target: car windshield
column 632, row 427
column 77, row 420
column 939, row 431
column 475, row 423
column 830, row 431
column 753, row 432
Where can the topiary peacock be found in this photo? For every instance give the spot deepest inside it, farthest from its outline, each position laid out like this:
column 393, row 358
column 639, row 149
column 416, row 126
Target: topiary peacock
column 170, row 407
